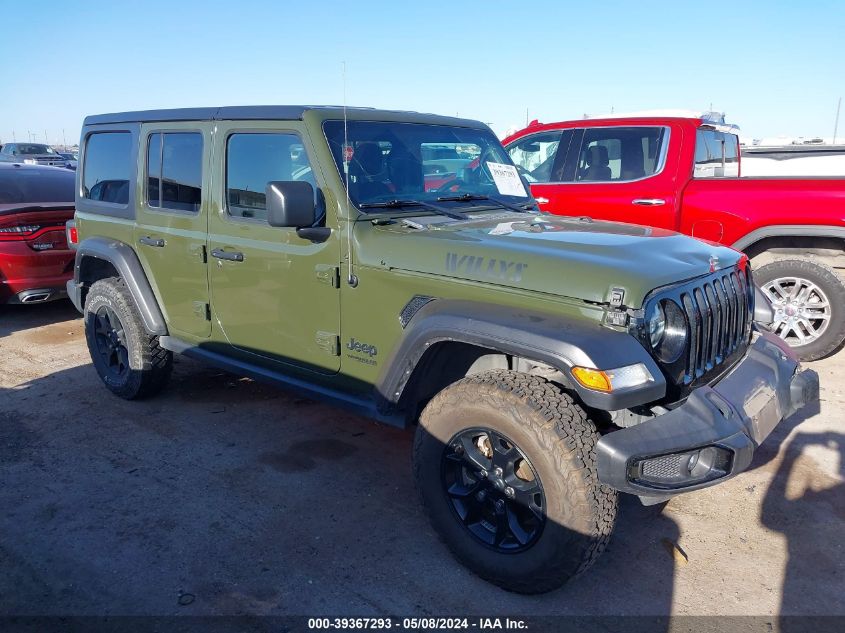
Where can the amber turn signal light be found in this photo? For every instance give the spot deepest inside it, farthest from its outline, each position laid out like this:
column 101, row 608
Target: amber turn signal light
column 592, row 378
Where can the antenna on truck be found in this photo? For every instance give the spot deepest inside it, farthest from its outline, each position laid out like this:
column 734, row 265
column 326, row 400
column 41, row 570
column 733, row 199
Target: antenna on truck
column 351, row 278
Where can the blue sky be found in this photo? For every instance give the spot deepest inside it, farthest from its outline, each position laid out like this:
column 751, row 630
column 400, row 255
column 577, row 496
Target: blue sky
column 774, row 67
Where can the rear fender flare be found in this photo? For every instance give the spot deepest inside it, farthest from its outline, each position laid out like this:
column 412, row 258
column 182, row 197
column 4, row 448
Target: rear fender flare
column 789, row 230
column 128, row 266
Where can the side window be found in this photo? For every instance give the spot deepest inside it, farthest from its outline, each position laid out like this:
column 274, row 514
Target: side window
column 536, row 156
column 253, row 160
column 716, row 155
column 620, row 153
column 174, row 171
column 108, row 167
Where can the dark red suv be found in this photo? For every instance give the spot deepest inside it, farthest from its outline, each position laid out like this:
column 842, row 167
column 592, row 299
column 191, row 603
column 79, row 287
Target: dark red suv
column 35, row 260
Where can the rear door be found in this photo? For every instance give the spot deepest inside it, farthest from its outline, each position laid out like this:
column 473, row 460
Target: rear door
column 275, row 295
column 172, row 221
column 619, row 173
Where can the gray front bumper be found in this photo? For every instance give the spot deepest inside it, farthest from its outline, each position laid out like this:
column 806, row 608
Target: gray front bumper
column 713, row 435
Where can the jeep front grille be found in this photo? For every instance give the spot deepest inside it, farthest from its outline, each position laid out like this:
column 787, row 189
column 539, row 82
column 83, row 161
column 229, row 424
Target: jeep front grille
column 719, row 310
column 719, row 319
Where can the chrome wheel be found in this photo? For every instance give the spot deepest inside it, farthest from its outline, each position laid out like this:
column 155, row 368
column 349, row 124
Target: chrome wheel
column 802, row 309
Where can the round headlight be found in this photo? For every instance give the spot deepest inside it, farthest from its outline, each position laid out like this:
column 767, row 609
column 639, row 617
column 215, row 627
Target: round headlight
column 656, row 324
column 667, row 329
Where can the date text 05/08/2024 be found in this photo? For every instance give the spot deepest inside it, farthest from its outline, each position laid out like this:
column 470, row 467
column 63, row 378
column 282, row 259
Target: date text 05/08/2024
column 418, row 624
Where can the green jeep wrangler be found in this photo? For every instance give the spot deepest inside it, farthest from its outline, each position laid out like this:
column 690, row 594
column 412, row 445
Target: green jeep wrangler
column 394, row 263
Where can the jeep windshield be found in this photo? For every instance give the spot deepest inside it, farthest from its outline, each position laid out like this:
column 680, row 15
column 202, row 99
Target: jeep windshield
column 384, row 164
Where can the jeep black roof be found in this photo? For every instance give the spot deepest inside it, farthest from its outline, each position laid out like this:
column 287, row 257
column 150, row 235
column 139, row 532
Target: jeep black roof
column 260, row 112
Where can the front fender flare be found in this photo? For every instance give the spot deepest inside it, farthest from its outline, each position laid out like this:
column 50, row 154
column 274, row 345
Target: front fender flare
column 124, row 259
column 551, row 339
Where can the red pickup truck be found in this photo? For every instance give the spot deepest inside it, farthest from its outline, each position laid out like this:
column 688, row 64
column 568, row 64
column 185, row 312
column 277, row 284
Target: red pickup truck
column 683, row 173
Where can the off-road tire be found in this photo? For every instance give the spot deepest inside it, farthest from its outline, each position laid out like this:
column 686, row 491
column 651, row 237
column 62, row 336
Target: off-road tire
column 150, row 365
column 830, row 283
column 558, row 438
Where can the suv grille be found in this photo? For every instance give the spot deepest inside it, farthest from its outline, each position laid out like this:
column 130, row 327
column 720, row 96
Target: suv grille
column 719, row 319
column 719, row 310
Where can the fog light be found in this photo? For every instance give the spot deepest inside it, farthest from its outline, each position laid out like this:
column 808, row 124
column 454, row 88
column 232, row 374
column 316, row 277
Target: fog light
column 680, row 470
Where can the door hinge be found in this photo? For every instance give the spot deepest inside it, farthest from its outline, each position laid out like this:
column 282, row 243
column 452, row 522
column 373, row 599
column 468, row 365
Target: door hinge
column 328, row 274
column 329, row 342
column 202, row 310
column 198, row 250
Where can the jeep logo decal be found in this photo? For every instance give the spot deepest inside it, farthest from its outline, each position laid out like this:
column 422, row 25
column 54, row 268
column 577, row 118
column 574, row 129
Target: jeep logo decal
column 497, row 269
column 363, row 348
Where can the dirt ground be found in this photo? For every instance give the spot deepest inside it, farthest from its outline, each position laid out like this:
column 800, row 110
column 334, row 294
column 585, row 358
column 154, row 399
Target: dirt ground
column 223, row 496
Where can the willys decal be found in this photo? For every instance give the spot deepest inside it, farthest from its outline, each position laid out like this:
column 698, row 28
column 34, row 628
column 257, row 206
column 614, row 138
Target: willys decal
column 485, row 267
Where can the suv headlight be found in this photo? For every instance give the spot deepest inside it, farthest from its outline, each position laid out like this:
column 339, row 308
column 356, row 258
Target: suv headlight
column 667, row 330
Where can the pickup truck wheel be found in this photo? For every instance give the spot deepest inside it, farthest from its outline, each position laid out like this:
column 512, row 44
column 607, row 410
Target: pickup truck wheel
column 129, row 360
column 505, row 464
column 809, row 302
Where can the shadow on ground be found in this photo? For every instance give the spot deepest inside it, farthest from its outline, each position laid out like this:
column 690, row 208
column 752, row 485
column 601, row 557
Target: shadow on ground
column 224, row 496
column 15, row 318
column 801, row 505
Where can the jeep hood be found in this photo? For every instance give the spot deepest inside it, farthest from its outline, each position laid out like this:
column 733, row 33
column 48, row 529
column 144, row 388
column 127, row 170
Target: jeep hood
column 562, row 256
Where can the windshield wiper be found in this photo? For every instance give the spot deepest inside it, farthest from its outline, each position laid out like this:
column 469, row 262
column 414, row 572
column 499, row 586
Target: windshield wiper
column 397, row 204
column 468, row 197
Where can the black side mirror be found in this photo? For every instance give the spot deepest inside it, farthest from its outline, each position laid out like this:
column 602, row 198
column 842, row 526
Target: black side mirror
column 290, row 204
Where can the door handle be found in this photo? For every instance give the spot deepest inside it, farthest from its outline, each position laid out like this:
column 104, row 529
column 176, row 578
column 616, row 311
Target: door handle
column 152, row 241
column 231, row 256
column 648, row 202
column 541, row 200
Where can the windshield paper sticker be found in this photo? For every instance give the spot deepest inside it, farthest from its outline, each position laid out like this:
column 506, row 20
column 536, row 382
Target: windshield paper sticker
column 507, row 180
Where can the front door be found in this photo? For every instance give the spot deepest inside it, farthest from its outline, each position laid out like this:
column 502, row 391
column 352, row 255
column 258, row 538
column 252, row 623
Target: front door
column 540, row 159
column 275, row 295
column 172, row 220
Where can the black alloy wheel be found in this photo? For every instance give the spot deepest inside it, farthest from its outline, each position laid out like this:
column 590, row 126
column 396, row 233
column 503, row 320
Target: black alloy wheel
column 110, row 341
column 493, row 490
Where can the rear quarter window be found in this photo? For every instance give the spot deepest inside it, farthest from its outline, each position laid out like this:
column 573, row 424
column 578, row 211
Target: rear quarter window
column 108, row 167
column 716, row 155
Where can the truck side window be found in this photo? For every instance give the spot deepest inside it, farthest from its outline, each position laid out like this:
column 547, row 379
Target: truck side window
column 108, row 167
column 716, row 154
column 537, row 156
column 620, row 154
column 253, row 160
column 174, row 171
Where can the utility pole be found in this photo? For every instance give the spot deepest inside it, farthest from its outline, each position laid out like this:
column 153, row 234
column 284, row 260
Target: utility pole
column 29, row 134
column 836, row 124
column 64, row 140
column 45, row 137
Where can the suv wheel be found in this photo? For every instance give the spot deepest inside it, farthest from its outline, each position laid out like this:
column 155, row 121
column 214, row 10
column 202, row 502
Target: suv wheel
column 505, row 464
column 129, row 360
column 809, row 302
